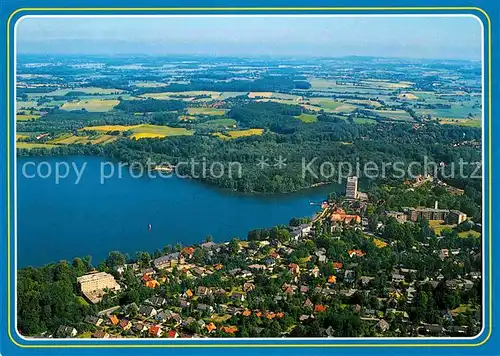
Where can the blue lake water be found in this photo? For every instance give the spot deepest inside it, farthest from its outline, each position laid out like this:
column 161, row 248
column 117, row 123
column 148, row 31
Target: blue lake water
column 61, row 221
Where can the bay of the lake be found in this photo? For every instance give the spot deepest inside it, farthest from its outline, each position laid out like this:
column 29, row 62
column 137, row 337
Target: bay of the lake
column 66, row 220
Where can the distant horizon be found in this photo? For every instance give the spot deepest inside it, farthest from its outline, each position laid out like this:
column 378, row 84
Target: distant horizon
column 242, row 56
column 401, row 37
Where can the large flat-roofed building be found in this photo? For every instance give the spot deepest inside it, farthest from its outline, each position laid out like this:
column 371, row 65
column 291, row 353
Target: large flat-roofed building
column 450, row 216
column 93, row 285
column 427, row 213
column 351, row 188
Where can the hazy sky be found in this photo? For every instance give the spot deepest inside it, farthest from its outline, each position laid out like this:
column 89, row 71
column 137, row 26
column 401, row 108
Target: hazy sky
column 418, row 37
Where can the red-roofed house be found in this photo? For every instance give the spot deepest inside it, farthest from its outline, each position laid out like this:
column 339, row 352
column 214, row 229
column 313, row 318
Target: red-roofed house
column 319, row 308
column 357, row 253
column 154, row 330
column 337, row 265
column 229, row 329
column 172, row 334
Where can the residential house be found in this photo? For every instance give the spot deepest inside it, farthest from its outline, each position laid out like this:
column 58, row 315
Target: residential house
column 247, row 287
column 66, row 331
column 201, row 323
column 237, row 296
column 349, row 276
column 349, row 292
column 161, row 317
column 152, row 284
column 294, row 268
column 305, row 317
column 175, row 319
column 319, row 308
column 120, row 269
column 245, row 274
column 169, row 261
column 156, row 301
column 114, row 319
column 188, row 251
column 125, row 324
column 475, row 275
column 202, row 291
column 218, row 266
column 172, row 334
column 148, row 271
column 188, row 321
column 209, row 245
column 444, row 253
column 93, row 320
column 337, row 265
column 357, row 253
column 205, row 307
column 300, row 231
column 246, row 312
column 270, row 262
column 100, row 334
column 431, row 329
column 382, row 325
column 147, row 311
column 229, row 329
column 457, row 330
column 198, row 271
column 220, row 291
column 211, row 327
column 155, row 331
column 235, row 271
column 366, row 280
column 329, row 332
column 130, row 308
column 140, row 327
column 257, row 266
column 308, row 303
column 407, row 271
column 397, row 278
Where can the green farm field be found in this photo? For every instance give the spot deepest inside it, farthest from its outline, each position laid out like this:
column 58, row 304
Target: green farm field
column 92, row 105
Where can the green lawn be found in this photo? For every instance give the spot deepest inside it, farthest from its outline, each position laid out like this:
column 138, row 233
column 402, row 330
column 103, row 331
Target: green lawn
column 93, row 105
column 461, row 122
column 438, row 226
column 364, row 121
column 472, row 233
column 206, row 111
column 153, row 131
column 308, row 118
column 30, row 145
column 24, row 117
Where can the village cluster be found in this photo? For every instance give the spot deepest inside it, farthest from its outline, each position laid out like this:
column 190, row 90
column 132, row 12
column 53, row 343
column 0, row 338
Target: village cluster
column 188, row 299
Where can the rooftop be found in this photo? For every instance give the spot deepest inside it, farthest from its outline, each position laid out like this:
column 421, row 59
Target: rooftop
column 93, row 277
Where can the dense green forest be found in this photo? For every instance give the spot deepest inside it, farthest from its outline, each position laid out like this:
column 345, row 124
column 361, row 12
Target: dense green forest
column 328, row 140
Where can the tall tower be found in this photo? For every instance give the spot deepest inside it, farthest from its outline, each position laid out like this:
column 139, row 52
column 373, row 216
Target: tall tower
column 351, row 188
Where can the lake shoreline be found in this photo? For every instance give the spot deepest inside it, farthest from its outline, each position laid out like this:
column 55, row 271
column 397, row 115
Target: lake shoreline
column 201, row 180
column 60, row 221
